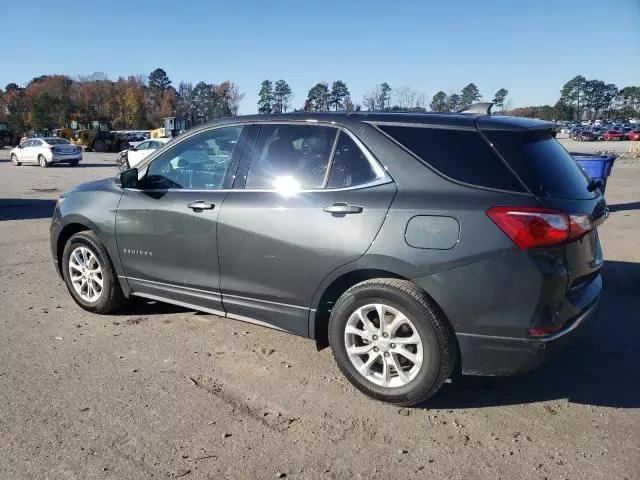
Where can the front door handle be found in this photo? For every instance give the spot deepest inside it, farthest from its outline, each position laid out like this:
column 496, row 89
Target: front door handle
column 342, row 209
column 200, row 205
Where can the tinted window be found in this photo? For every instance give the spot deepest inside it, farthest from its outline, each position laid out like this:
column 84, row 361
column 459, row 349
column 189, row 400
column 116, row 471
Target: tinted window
column 201, row 162
column 143, row 146
column 543, row 164
column 461, row 155
column 555, row 173
column 297, row 155
column 56, row 141
column 350, row 166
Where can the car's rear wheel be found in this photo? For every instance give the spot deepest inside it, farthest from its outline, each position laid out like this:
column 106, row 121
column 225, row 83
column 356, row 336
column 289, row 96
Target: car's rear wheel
column 89, row 274
column 391, row 341
column 42, row 161
column 14, row 160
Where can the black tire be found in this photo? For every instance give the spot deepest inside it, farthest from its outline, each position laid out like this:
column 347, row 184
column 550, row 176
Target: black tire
column 111, row 297
column 74, row 163
column 14, row 160
column 99, row 146
column 438, row 340
column 42, row 161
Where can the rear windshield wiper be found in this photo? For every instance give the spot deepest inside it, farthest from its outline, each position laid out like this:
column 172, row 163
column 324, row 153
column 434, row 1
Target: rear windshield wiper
column 595, row 183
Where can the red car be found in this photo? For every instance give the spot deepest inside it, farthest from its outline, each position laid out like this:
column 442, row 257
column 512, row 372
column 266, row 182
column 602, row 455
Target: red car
column 612, row 135
column 634, row 134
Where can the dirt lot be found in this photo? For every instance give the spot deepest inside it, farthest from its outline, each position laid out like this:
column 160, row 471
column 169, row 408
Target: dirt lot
column 161, row 392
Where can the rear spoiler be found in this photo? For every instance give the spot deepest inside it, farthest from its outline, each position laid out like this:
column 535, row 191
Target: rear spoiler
column 479, row 108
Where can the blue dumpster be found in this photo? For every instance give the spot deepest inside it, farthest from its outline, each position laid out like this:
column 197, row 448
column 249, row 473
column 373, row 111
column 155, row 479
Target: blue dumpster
column 596, row 166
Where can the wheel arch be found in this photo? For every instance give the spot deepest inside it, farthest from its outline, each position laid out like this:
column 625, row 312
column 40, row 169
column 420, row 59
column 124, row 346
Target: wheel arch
column 327, row 295
column 81, row 224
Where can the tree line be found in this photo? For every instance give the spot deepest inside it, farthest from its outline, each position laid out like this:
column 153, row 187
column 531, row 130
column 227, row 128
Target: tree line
column 322, row 97
column 135, row 102
column 579, row 99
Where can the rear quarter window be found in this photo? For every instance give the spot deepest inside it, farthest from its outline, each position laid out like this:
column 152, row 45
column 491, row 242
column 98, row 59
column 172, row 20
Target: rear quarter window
column 461, row 155
column 543, row 164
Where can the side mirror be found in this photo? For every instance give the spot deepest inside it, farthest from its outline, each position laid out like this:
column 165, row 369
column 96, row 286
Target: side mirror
column 128, row 178
column 133, row 148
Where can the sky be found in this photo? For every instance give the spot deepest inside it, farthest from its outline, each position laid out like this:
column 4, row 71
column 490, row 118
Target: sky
column 531, row 48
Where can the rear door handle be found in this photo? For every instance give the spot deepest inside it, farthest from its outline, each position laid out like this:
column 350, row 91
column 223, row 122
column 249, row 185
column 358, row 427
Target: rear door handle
column 200, row 205
column 342, row 209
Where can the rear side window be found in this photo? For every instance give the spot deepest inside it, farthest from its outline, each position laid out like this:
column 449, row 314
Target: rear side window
column 350, row 167
column 461, row 155
column 543, row 164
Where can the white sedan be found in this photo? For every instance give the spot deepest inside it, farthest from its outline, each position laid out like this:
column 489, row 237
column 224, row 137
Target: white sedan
column 134, row 155
column 45, row 151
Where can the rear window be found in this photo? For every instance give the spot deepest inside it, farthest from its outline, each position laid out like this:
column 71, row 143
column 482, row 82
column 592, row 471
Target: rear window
column 461, row 155
column 56, row 141
column 543, row 164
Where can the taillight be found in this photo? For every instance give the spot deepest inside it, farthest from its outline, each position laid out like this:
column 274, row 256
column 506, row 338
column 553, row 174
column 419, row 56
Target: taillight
column 531, row 227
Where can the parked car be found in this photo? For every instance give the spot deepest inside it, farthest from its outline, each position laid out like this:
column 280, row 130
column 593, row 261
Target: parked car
column 46, row 151
column 587, row 135
column 403, row 241
column 612, row 135
column 135, row 154
column 575, row 131
column 634, row 134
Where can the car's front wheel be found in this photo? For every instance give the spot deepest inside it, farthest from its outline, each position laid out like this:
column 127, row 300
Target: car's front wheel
column 392, row 341
column 89, row 274
column 14, row 160
column 123, row 162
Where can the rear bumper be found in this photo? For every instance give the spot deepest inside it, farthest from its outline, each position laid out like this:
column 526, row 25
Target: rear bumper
column 504, row 356
column 56, row 158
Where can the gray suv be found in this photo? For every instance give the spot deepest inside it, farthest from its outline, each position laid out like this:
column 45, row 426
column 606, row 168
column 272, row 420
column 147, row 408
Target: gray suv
column 415, row 245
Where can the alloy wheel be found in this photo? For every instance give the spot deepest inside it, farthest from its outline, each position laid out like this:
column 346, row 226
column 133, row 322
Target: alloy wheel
column 383, row 345
column 85, row 273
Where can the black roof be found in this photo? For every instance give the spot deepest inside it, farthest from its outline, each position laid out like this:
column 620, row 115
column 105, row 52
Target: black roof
column 444, row 120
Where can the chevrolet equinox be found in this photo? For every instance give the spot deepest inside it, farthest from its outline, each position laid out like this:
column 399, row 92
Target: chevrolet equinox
column 413, row 244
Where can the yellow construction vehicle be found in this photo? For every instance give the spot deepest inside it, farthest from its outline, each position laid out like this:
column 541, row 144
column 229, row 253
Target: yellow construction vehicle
column 173, row 126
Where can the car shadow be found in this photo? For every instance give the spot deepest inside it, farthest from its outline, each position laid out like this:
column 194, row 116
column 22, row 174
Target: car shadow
column 87, row 165
column 621, row 207
column 143, row 307
column 25, row 208
column 600, row 367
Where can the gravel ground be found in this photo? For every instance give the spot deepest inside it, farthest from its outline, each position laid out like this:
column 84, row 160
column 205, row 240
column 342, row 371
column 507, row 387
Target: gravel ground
column 162, row 392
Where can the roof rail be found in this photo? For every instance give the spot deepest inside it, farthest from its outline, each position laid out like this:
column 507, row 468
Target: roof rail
column 479, row 108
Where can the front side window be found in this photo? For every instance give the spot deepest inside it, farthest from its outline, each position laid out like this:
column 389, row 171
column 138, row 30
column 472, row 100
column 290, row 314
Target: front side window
column 143, row 146
column 200, row 162
column 291, row 157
